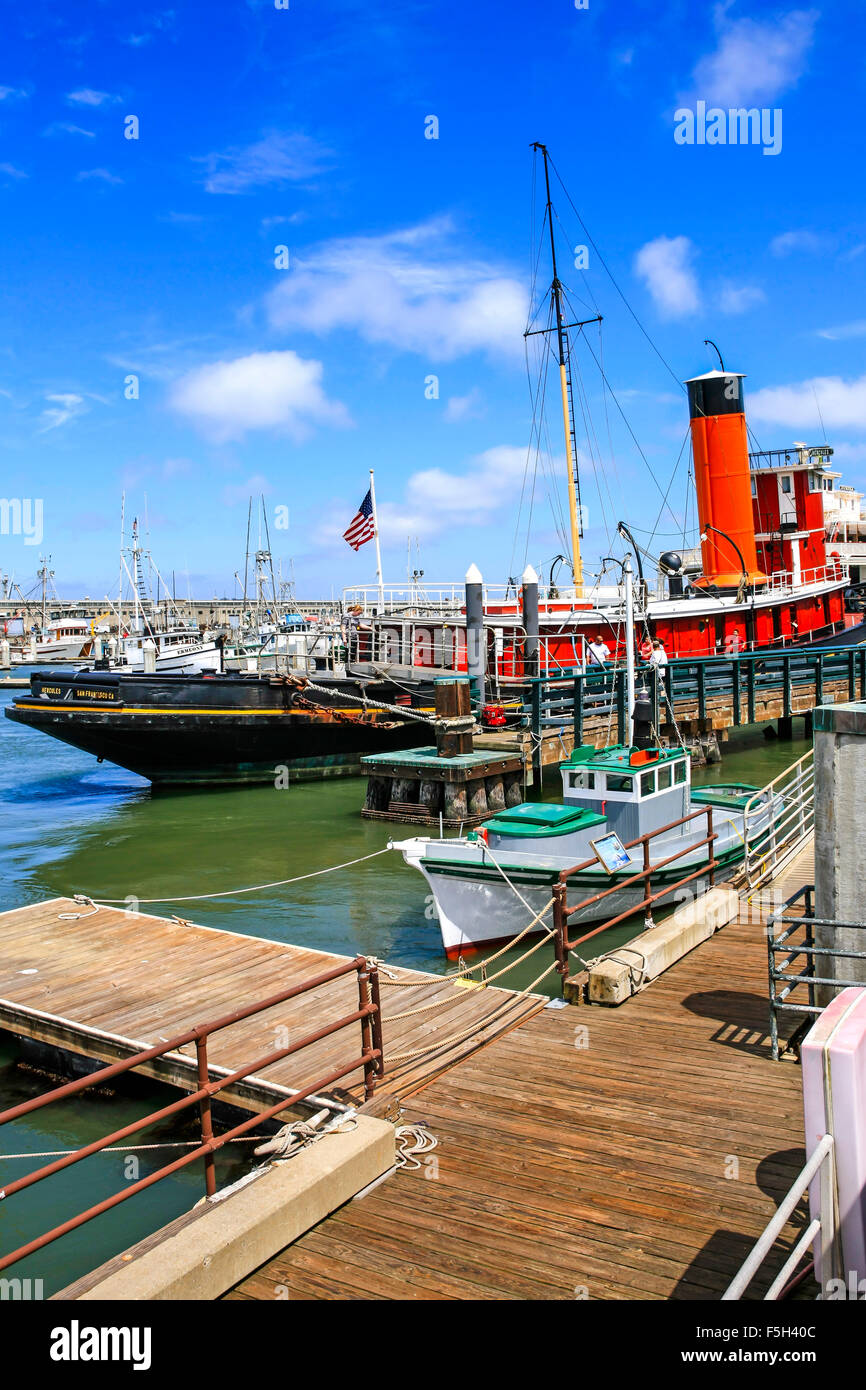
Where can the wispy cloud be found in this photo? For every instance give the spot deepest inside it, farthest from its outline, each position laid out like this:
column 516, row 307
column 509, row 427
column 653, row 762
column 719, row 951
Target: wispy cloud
column 842, row 331
column 67, row 128
column 101, row 175
column 11, row 171
column 468, row 407
column 754, row 61
column 801, row 239
column 664, row 265
column 13, row 94
column 256, row 486
column 277, row 391
column 88, row 96
column 412, row 289
column 273, row 161
column 738, row 299
column 64, row 406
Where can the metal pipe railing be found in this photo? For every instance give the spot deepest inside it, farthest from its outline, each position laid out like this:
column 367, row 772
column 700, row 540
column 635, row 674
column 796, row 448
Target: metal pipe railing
column 562, row 912
column 825, row 1225
column 779, row 970
column 776, row 835
column 370, row 1059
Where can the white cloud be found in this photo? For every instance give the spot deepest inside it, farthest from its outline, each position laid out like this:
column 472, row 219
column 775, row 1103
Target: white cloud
column 803, row 239
column 436, row 499
column 101, row 175
column 855, row 329
column 67, row 128
column 86, row 96
column 65, row 406
column 842, row 404
column 468, row 407
column 12, row 94
column 265, row 391
column 755, row 61
column 737, row 299
column 12, row 172
column 665, row 267
column 274, row 160
column 410, row 289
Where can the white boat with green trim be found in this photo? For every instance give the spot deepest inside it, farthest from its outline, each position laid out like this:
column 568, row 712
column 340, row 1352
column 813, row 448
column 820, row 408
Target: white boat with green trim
column 488, row 885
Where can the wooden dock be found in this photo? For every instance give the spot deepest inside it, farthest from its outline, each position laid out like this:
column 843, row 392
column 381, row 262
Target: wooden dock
column 631, row 1153
column 106, row 984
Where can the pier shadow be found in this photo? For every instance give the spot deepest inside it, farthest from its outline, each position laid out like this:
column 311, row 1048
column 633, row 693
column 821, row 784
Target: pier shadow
column 716, row 1263
column 742, row 1017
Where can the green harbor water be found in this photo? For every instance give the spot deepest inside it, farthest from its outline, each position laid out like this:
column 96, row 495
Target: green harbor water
column 69, row 825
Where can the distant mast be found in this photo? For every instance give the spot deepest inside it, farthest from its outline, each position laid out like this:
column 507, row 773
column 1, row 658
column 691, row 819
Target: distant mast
column 565, row 388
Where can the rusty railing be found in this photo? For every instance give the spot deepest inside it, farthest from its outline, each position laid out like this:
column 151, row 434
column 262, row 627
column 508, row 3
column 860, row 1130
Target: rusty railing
column 562, row 912
column 371, row 1059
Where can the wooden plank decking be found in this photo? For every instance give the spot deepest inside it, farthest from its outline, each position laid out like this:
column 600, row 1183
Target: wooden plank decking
column 143, row 979
column 638, row 1158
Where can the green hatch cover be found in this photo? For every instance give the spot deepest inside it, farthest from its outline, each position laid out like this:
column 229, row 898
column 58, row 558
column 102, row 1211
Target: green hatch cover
column 538, row 818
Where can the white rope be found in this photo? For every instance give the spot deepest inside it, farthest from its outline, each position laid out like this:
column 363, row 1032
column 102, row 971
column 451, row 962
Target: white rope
column 403, row 710
column 136, row 1148
column 235, row 892
column 412, row 1142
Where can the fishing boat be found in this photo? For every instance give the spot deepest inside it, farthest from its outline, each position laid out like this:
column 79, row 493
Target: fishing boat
column 489, row 884
column 69, row 639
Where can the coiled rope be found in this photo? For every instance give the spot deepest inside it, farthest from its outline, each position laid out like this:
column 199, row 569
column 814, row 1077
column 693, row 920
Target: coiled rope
column 412, row 1142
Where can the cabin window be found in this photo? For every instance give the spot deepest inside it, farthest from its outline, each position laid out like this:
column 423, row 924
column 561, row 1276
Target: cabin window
column 647, row 783
column 618, row 784
column 785, row 482
column 679, row 772
column 754, row 482
column 582, row 781
column 664, row 778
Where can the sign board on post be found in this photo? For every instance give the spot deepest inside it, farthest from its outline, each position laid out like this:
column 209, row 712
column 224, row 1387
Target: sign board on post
column 611, row 853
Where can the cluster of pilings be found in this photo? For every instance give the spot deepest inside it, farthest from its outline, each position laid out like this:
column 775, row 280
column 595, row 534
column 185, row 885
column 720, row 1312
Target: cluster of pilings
column 450, row 784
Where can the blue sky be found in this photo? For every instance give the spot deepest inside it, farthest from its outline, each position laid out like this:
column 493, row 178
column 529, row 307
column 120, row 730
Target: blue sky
column 408, row 258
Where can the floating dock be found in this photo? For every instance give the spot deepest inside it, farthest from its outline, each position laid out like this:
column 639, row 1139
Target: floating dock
column 632, row 1153
column 584, row 1152
column 103, row 985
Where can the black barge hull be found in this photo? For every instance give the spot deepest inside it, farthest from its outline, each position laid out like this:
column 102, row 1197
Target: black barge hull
column 181, row 731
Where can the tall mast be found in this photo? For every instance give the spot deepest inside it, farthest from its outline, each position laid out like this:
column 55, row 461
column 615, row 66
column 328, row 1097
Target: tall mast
column 556, row 295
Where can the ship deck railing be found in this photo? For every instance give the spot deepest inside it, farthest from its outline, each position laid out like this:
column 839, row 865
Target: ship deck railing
column 746, row 682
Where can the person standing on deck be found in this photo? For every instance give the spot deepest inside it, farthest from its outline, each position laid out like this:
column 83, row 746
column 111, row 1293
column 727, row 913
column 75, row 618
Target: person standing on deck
column 599, row 651
column 659, row 655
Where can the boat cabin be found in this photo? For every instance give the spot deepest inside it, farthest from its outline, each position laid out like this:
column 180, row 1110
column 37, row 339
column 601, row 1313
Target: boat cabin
column 637, row 790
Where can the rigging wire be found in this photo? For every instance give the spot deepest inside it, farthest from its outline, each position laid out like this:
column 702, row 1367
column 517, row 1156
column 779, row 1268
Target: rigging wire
column 612, row 279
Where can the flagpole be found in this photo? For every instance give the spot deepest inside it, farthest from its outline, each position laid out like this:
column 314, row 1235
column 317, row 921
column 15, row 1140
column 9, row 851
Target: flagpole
column 378, row 551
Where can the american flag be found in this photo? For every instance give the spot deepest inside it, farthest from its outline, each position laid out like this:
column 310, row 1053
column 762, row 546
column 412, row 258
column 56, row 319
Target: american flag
column 361, row 528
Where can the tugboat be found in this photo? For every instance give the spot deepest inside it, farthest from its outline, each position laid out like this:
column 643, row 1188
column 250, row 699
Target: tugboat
column 488, row 884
